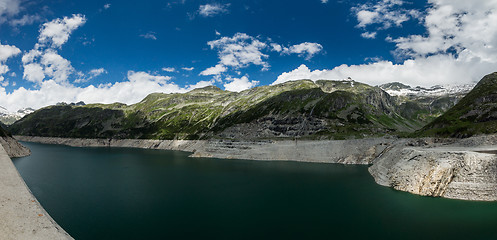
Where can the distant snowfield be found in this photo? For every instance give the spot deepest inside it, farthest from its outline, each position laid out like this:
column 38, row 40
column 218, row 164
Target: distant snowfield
column 432, row 91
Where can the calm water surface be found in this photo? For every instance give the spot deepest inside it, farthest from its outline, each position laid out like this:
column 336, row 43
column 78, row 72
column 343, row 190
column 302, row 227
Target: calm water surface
column 102, row 193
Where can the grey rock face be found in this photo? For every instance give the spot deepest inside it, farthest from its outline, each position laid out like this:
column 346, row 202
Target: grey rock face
column 440, row 170
column 14, row 148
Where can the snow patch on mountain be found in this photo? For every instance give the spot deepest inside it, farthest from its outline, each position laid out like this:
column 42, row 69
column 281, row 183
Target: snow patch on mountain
column 8, row 118
column 399, row 89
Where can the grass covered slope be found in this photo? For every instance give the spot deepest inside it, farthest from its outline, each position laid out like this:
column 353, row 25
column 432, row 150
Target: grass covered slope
column 322, row 109
column 474, row 114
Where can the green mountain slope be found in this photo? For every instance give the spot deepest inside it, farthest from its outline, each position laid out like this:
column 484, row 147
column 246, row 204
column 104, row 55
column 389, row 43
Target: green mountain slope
column 322, row 109
column 476, row 113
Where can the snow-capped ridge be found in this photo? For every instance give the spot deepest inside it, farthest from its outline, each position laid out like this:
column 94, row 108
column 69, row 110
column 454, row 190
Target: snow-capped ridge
column 400, row 89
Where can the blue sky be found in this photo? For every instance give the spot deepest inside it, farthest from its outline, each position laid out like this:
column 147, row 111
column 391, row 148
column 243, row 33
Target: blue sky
column 107, row 51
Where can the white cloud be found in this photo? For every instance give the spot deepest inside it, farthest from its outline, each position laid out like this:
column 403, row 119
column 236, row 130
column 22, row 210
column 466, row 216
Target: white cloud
column 324, row 1
column 149, row 35
column 384, row 14
column 240, row 51
column 209, row 10
column 239, row 84
column 90, row 75
column 47, row 63
column 43, row 61
column 97, row 72
column 169, row 69
column 433, row 70
column 56, row 67
column 369, row 35
column 366, row 17
column 9, row 8
column 199, row 84
column 147, row 77
column 6, row 52
column 34, row 72
column 276, row 47
column 25, row 20
column 57, row 31
column 307, row 49
column 188, row 68
column 468, row 28
column 459, row 47
column 107, row 6
column 137, row 87
column 216, row 70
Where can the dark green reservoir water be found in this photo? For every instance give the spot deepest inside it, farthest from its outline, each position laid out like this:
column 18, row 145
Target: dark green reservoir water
column 102, row 193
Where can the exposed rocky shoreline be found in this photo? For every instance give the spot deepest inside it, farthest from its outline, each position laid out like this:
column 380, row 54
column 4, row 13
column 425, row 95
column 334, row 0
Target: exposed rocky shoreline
column 14, row 148
column 359, row 151
column 450, row 168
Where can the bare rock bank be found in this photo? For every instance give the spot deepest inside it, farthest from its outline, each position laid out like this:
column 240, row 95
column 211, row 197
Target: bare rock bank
column 359, row 151
column 14, row 148
column 451, row 168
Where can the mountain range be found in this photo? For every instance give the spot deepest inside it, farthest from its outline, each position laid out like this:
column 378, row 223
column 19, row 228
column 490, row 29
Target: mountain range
column 323, row 109
column 474, row 114
column 8, row 118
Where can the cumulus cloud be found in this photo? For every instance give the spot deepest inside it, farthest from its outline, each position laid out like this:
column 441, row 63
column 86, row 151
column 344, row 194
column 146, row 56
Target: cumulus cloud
column 369, row 35
column 137, row 86
column 242, row 50
column 8, row 9
column 307, row 49
column 459, row 46
column 169, row 69
column 433, row 70
column 210, row 10
column 39, row 64
column 51, row 74
column 324, row 1
column 107, row 6
column 6, row 52
column 216, row 70
column 188, row 68
column 239, row 84
column 25, row 20
column 56, row 32
column 43, row 61
column 55, row 66
column 90, row 75
column 34, row 72
column 385, row 13
column 467, row 28
column 147, row 77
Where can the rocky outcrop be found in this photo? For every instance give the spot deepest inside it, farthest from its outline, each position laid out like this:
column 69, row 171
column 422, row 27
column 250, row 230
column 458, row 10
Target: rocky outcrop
column 14, row 148
column 440, row 170
column 11, row 146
